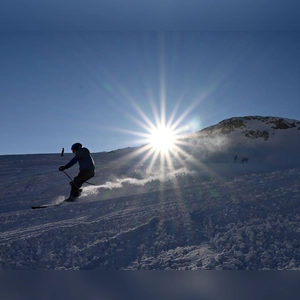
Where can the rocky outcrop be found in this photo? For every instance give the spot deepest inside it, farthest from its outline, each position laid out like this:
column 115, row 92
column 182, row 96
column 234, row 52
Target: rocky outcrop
column 254, row 134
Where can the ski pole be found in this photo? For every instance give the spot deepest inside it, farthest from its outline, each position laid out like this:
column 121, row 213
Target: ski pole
column 67, row 175
column 74, row 183
column 89, row 183
column 71, row 179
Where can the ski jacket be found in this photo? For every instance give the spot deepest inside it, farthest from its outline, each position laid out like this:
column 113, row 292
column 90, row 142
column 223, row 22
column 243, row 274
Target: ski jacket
column 83, row 157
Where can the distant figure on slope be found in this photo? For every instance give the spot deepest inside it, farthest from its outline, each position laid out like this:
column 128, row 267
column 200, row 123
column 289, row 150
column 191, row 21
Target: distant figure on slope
column 244, row 160
column 86, row 169
column 62, row 151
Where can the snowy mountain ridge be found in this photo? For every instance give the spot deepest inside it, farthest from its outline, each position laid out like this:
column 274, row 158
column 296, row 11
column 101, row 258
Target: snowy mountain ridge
column 261, row 139
column 248, row 124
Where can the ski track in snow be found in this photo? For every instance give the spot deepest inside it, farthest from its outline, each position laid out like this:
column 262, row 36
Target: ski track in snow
column 205, row 225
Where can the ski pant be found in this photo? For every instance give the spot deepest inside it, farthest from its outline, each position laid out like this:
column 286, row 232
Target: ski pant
column 79, row 180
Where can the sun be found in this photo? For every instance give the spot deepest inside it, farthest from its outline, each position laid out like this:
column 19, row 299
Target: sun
column 162, row 139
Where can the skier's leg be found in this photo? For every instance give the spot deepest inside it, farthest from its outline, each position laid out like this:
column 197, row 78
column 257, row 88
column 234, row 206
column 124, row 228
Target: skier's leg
column 75, row 189
column 78, row 181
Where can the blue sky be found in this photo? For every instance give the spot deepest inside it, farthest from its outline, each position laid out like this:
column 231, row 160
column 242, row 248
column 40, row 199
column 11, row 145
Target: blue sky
column 57, row 88
column 168, row 15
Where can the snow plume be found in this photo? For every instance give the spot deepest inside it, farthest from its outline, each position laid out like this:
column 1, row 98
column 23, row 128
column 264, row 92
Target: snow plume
column 119, row 183
column 59, row 199
column 212, row 143
column 209, row 147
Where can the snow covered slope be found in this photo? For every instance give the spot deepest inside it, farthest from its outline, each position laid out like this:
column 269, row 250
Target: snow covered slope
column 205, row 210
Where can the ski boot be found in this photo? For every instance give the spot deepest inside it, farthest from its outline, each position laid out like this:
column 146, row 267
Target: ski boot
column 74, row 196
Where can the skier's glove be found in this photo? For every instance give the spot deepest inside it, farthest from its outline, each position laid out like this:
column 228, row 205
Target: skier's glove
column 61, row 168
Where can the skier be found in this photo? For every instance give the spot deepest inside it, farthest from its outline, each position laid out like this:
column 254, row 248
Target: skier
column 86, row 169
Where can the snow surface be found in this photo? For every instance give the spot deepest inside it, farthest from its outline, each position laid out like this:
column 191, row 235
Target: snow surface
column 204, row 211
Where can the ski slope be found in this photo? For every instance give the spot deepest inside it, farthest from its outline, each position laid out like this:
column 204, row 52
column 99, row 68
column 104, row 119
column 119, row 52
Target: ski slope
column 215, row 215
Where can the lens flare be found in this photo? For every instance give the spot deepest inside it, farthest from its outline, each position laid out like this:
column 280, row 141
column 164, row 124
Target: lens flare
column 162, row 139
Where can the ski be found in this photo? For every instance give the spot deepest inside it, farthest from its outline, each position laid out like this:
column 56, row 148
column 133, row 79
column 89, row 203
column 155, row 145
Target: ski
column 50, row 205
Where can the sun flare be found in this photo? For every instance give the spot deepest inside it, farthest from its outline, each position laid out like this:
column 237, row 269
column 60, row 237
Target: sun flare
column 162, row 139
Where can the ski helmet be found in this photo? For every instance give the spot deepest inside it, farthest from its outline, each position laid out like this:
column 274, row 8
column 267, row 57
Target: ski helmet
column 76, row 146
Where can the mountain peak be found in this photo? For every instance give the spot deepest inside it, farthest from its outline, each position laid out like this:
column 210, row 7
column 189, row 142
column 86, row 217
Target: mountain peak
column 276, row 122
column 259, row 138
column 249, row 123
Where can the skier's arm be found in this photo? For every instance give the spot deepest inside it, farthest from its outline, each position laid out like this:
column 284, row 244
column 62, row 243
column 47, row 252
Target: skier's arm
column 72, row 162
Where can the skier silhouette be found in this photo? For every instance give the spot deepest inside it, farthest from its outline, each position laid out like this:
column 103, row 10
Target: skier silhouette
column 86, row 169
